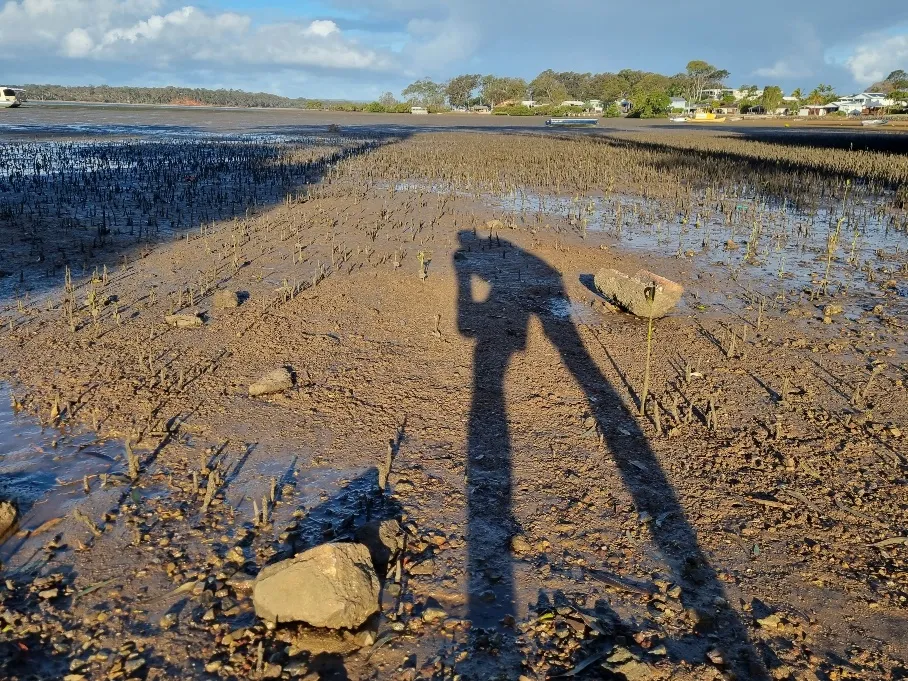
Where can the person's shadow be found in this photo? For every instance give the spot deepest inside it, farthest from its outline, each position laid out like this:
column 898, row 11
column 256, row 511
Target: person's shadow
column 519, row 285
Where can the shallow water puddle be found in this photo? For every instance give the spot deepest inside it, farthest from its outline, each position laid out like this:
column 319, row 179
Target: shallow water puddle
column 42, row 468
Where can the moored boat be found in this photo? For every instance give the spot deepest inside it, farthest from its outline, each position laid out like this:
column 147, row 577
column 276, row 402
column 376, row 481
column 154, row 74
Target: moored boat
column 875, row 121
column 572, row 121
column 706, row 117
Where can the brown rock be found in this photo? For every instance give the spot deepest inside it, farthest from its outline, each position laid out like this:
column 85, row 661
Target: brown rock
column 225, row 299
column 630, row 291
column 276, row 381
column 332, row 586
column 184, row 320
column 9, row 516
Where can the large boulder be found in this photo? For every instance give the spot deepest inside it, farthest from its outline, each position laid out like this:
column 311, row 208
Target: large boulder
column 276, row 381
column 9, row 515
column 629, row 291
column 332, row 586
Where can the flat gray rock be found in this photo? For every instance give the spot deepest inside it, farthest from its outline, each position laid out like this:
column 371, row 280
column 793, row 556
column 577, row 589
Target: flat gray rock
column 276, row 381
column 332, row 586
column 628, row 291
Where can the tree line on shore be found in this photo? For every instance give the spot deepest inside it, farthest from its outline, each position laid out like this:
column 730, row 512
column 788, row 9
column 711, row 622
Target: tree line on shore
column 645, row 94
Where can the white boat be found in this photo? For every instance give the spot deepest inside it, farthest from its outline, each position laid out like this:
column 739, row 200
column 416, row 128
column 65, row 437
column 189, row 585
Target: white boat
column 875, row 121
column 572, row 122
column 678, row 119
column 10, row 97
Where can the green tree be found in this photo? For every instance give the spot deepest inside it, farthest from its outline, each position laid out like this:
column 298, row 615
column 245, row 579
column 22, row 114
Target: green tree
column 653, row 105
column 772, row 98
column 547, row 88
column 700, row 76
column 822, row 94
column 495, row 90
column 388, row 100
column 459, row 89
column 797, row 94
column 613, row 87
column 425, row 92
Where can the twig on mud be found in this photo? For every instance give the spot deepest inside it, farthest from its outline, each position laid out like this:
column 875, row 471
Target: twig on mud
column 893, row 541
column 770, row 503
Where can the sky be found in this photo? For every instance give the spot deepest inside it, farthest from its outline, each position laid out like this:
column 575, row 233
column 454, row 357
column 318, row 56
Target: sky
column 358, row 49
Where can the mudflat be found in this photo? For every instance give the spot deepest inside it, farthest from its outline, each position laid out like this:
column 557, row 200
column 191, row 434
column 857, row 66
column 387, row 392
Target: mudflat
column 414, row 334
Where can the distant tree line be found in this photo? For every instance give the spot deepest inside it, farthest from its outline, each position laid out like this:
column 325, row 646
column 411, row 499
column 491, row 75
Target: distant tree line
column 643, row 93
column 162, row 95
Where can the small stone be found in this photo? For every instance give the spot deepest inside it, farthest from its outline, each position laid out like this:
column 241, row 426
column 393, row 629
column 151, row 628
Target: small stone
column 714, row 656
column 184, row 320
column 520, row 546
column 271, row 671
column 47, row 594
column 770, row 622
column 620, row 655
column 213, row 666
column 433, row 614
column 364, row 638
column 9, row 515
column 832, row 309
column 133, row 666
column 225, row 299
column 275, row 381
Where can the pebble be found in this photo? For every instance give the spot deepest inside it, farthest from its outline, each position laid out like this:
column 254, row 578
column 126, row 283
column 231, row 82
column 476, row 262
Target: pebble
column 433, row 614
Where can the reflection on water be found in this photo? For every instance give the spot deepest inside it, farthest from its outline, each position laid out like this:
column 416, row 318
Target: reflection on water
column 42, row 468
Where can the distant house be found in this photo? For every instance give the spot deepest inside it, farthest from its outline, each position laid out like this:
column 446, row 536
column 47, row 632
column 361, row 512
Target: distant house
column 595, row 105
column 573, row 102
column 718, row 93
column 728, row 110
column 678, row 104
column 864, row 103
column 529, row 102
column 816, row 109
column 419, row 110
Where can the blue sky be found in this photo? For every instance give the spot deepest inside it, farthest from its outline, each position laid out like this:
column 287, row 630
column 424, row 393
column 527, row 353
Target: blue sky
column 360, row 48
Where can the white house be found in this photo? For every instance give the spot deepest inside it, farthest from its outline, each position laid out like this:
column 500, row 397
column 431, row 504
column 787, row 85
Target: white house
column 595, row 105
column 816, row 109
column 573, row 102
column 678, row 104
column 529, row 102
column 857, row 104
column 737, row 95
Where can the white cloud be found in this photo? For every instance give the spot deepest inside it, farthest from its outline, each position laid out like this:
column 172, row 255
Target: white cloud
column 783, row 69
column 877, row 56
column 134, row 32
